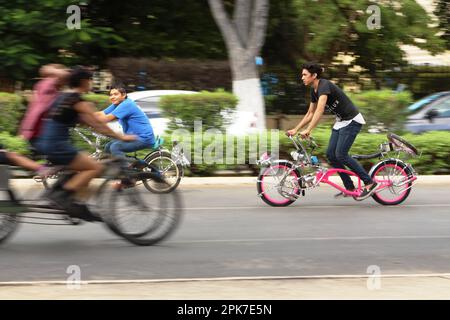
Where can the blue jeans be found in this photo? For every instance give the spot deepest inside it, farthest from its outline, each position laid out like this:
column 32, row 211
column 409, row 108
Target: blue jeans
column 119, row 148
column 340, row 143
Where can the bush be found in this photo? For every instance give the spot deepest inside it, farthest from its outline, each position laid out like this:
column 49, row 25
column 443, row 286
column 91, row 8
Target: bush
column 383, row 106
column 13, row 143
column 208, row 107
column 101, row 101
column 11, row 109
column 435, row 151
column 433, row 160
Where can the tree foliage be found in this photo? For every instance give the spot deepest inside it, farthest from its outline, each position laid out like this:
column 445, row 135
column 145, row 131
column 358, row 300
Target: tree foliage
column 318, row 30
column 33, row 33
column 160, row 28
column 442, row 11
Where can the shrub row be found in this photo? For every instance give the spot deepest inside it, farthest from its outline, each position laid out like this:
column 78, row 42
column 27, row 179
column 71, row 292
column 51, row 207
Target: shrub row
column 434, row 148
column 211, row 108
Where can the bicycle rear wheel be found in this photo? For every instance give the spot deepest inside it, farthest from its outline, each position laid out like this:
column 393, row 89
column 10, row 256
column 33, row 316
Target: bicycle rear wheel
column 398, row 176
column 170, row 171
column 140, row 217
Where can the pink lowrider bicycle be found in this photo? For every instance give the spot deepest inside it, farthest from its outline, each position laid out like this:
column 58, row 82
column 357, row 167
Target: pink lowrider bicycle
column 281, row 182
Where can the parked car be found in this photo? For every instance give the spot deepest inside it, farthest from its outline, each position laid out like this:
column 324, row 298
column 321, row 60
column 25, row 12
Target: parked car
column 430, row 113
column 148, row 101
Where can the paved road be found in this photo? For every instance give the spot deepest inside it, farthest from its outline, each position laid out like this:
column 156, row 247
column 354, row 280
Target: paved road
column 229, row 232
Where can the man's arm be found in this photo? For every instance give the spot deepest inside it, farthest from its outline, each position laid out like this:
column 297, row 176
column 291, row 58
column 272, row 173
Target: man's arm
column 87, row 115
column 308, row 116
column 305, row 120
column 104, row 118
column 316, row 117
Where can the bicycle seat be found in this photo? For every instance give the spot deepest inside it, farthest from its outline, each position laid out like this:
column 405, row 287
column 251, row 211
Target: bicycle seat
column 158, row 142
column 366, row 156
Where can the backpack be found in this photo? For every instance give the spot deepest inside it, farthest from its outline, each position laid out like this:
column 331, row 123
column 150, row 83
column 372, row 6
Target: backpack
column 44, row 94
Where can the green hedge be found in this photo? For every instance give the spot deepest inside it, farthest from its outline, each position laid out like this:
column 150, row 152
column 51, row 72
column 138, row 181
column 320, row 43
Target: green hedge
column 101, row 101
column 12, row 109
column 14, row 143
column 383, row 106
column 434, row 148
column 183, row 110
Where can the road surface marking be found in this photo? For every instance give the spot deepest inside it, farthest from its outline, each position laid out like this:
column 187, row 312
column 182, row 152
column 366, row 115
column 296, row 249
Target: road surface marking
column 315, row 239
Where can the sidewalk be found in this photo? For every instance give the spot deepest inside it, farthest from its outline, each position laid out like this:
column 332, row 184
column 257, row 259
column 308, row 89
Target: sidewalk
column 386, row 287
column 202, row 182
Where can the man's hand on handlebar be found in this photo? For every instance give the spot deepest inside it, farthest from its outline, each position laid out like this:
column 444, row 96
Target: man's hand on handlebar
column 291, row 132
column 305, row 134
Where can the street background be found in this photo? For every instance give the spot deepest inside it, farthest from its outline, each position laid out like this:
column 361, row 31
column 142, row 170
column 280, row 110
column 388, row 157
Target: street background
column 236, row 67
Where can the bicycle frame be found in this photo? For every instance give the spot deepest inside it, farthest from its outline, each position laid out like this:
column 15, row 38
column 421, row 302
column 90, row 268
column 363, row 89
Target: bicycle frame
column 97, row 145
column 322, row 175
column 177, row 151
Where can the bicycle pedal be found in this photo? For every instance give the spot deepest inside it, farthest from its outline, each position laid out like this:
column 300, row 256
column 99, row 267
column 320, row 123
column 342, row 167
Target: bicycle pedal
column 38, row 179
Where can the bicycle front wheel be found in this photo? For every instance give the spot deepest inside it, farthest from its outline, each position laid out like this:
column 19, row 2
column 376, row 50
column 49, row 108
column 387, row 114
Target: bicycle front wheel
column 170, row 171
column 277, row 184
column 9, row 210
column 142, row 219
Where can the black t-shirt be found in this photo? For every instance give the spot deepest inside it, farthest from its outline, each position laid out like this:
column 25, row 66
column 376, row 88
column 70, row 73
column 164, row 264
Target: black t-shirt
column 337, row 102
column 62, row 109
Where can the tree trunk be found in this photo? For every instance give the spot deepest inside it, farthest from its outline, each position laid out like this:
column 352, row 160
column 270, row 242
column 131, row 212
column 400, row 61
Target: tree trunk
column 244, row 38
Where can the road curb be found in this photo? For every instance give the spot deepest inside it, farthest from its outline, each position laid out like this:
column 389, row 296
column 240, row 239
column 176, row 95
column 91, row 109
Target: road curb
column 261, row 278
column 419, row 286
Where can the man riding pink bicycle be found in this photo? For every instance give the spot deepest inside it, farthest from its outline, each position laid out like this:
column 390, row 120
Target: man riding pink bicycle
column 326, row 95
column 282, row 182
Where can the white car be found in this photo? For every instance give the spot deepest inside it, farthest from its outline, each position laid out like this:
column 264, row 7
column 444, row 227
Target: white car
column 241, row 122
column 148, row 101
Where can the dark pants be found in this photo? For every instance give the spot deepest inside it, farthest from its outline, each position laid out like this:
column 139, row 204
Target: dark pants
column 119, row 148
column 340, row 143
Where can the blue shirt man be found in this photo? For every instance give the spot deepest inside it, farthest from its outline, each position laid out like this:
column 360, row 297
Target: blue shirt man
column 133, row 121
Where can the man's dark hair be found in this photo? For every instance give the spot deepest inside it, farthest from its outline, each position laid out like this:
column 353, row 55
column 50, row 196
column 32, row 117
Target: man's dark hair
column 119, row 88
column 77, row 74
column 313, row 68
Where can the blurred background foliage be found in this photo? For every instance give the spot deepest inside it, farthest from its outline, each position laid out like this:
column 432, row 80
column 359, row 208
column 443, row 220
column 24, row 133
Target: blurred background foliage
column 33, row 33
column 172, row 44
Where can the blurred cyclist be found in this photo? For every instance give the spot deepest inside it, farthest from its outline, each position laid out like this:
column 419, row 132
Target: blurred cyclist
column 54, row 141
column 12, row 158
column 45, row 92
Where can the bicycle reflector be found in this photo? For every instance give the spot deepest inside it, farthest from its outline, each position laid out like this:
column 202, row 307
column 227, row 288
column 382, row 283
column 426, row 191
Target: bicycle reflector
column 264, row 160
